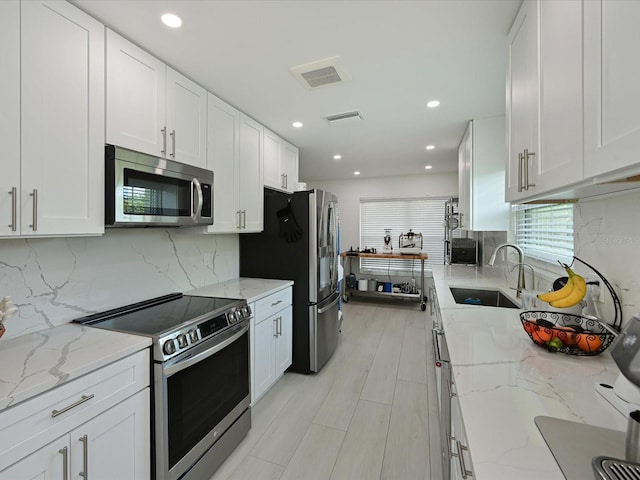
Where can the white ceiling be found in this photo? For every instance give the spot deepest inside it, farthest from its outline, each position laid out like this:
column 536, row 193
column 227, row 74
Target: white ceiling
column 400, row 54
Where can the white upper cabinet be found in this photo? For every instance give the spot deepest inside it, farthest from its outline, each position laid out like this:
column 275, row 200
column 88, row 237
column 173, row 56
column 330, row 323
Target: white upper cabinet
column 611, row 93
column 186, row 120
column 544, row 98
column 522, row 98
column 55, row 179
column 152, row 108
column 251, row 161
column 223, row 124
column 280, row 163
column 481, row 159
column 289, row 159
column 10, row 117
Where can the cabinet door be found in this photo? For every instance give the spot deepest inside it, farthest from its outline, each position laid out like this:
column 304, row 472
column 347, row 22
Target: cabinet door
column 272, row 172
column 283, row 341
column 50, row 462
column 289, row 166
column 522, row 98
column 263, row 357
column 62, row 115
column 136, row 98
column 251, row 160
column 186, row 120
column 561, row 154
column 222, row 157
column 465, row 161
column 10, row 117
column 116, row 443
column 612, row 97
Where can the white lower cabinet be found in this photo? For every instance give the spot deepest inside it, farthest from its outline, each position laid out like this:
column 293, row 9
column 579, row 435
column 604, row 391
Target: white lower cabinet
column 271, row 340
column 97, row 427
column 460, row 456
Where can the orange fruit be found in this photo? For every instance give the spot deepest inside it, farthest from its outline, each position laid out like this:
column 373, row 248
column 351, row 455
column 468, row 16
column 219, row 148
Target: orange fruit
column 588, row 342
column 567, row 335
column 528, row 326
column 541, row 335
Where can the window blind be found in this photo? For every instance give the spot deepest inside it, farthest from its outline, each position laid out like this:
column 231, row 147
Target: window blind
column 545, row 232
column 421, row 215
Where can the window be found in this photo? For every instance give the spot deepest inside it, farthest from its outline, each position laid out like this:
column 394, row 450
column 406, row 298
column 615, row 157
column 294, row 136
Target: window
column 545, row 232
column 421, row 215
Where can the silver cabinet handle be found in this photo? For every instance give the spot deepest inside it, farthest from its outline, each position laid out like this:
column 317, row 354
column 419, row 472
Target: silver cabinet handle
column 244, row 219
column 526, row 156
column 452, row 394
column 279, row 326
column 273, row 304
column 520, row 156
column 14, row 208
column 84, row 398
column 64, row 451
column 463, row 468
column 431, row 301
column 238, row 214
column 286, row 181
column 173, row 143
column 34, row 194
column 163, row 130
column 85, row 457
column 275, row 325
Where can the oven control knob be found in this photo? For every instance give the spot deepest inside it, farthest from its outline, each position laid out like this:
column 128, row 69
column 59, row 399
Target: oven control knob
column 246, row 311
column 169, row 347
column 193, row 335
column 182, row 341
column 232, row 317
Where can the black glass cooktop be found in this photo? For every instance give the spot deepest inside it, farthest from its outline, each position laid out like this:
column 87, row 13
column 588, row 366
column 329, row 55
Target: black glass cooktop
column 160, row 315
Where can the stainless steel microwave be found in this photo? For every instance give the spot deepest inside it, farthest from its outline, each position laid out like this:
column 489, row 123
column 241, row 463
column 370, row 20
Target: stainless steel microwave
column 142, row 190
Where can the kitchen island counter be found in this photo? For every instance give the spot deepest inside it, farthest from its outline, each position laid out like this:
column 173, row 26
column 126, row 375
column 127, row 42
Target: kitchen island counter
column 37, row 362
column 503, row 381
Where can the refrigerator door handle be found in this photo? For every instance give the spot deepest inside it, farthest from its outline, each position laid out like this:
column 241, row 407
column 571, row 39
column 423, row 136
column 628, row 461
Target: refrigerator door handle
column 331, row 304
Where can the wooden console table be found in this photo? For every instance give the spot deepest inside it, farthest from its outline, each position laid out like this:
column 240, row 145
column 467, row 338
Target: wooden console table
column 420, row 296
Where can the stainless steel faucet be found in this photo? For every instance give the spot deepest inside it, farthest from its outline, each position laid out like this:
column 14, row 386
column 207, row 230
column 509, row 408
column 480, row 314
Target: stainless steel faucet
column 492, row 260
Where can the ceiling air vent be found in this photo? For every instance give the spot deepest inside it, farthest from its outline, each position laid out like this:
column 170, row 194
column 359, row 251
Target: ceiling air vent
column 344, row 117
column 322, row 73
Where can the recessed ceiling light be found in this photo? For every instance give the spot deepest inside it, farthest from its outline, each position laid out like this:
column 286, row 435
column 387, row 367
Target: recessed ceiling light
column 430, row 147
column 297, row 124
column 171, row 20
column 356, row 173
column 428, row 167
column 433, row 103
column 337, row 157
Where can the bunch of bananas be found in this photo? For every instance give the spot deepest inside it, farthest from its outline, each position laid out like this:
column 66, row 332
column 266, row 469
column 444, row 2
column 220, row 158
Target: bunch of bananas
column 569, row 295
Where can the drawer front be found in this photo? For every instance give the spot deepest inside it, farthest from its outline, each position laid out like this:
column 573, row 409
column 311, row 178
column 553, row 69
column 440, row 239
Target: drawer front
column 37, row 421
column 268, row 306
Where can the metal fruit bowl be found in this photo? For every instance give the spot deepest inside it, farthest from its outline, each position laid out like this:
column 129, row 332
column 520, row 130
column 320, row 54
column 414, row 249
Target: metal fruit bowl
column 579, row 335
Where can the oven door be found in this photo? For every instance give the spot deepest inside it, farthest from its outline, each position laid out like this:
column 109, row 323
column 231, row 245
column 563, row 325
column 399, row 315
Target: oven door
column 198, row 396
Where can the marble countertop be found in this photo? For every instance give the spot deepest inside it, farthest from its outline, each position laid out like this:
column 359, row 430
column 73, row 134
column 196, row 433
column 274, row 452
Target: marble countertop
column 34, row 363
column 504, row 381
column 251, row 289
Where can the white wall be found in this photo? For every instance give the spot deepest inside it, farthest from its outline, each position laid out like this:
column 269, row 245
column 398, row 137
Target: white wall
column 350, row 191
column 53, row 281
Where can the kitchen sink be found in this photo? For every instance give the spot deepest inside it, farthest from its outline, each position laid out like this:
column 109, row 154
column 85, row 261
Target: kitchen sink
column 485, row 297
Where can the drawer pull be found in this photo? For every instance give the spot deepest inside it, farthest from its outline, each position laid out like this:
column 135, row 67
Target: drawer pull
column 273, row 304
column 84, row 398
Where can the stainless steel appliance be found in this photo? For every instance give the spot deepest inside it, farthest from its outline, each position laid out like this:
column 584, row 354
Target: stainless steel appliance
column 300, row 243
column 451, row 224
column 201, row 378
column 142, row 190
column 410, row 243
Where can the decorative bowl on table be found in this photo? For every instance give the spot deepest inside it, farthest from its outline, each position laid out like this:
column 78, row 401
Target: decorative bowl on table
column 566, row 333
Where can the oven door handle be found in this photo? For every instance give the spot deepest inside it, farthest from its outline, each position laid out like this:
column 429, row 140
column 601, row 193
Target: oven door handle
column 186, row 363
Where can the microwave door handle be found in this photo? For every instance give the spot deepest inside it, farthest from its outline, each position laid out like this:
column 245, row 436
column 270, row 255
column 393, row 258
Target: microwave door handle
column 198, row 209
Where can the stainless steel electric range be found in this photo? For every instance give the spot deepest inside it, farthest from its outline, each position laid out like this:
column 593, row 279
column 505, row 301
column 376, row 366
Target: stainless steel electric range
column 201, row 377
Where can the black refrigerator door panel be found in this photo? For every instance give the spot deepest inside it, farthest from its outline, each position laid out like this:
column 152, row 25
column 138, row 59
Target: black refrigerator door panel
column 270, row 255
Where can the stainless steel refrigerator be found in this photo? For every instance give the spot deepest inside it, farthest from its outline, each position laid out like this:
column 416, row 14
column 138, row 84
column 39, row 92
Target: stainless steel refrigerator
column 300, row 243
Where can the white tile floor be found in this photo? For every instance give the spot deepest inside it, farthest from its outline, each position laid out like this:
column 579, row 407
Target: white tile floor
column 371, row 413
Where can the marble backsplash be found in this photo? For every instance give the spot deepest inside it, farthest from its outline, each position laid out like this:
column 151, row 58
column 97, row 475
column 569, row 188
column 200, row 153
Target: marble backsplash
column 607, row 235
column 53, row 281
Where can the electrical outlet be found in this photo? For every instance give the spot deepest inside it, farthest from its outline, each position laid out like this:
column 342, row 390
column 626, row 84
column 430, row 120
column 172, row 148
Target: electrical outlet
column 599, row 290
